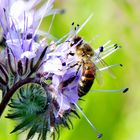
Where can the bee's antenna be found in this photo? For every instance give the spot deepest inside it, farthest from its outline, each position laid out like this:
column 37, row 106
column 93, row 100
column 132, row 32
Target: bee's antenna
column 99, row 135
column 123, row 90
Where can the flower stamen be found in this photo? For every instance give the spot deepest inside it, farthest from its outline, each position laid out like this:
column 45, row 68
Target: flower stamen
column 123, row 90
column 110, row 66
column 99, row 135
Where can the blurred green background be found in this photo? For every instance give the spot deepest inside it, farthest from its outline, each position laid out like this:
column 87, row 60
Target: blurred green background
column 117, row 116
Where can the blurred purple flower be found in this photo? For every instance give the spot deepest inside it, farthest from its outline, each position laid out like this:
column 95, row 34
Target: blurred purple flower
column 20, row 28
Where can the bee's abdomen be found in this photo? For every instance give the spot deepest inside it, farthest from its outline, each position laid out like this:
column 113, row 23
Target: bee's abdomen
column 87, row 78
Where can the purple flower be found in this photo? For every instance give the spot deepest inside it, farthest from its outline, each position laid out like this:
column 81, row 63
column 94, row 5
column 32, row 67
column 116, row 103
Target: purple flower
column 48, row 78
column 20, row 29
column 22, row 15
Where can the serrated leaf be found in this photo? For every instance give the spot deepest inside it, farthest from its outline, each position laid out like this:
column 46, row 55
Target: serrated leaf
column 24, row 123
column 75, row 113
column 57, row 131
column 70, row 122
column 12, row 106
column 13, row 115
column 44, row 133
column 39, row 136
column 32, row 132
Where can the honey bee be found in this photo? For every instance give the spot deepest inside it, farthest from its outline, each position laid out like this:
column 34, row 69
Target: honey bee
column 85, row 53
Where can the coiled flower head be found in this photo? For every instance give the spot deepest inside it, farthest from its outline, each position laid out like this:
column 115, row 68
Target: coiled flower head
column 41, row 80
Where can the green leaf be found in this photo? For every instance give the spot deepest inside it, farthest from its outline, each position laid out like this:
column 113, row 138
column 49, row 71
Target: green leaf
column 25, row 123
column 32, row 132
column 13, row 115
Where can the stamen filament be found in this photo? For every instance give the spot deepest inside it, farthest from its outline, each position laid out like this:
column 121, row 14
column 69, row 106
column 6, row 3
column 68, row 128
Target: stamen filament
column 16, row 31
column 93, row 39
column 106, row 44
column 42, row 33
column 8, row 24
column 91, row 124
column 43, row 14
column 47, row 34
column 86, row 21
column 51, row 23
column 104, row 52
column 111, row 47
column 73, row 31
column 58, row 41
column 115, row 91
column 107, row 67
column 109, row 52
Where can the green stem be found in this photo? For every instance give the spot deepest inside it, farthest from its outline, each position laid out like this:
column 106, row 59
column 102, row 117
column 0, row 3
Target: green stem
column 11, row 91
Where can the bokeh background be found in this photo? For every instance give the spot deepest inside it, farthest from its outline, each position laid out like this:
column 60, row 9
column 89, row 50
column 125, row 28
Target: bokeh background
column 117, row 116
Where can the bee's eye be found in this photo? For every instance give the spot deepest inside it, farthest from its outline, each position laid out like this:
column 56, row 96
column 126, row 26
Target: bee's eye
column 77, row 41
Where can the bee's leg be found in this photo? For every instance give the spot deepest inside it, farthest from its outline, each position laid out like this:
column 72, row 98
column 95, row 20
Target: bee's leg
column 78, row 69
column 70, row 54
column 68, row 81
column 74, row 65
column 78, row 63
column 71, row 79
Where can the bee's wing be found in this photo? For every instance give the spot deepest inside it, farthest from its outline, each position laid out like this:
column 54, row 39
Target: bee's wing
column 99, row 76
column 103, row 66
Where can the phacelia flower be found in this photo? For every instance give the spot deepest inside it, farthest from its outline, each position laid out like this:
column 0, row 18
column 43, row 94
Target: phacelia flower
column 42, row 82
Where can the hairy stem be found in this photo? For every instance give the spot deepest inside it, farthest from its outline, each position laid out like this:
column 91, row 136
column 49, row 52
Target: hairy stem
column 11, row 91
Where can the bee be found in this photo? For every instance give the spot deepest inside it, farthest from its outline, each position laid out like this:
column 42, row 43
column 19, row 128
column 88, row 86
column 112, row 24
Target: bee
column 85, row 53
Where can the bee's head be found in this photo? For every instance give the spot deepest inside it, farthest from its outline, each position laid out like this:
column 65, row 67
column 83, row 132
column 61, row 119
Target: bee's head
column 85, row 50
column 77, row 40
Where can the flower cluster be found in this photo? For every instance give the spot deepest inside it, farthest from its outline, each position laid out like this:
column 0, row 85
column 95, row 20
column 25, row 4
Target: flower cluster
column 40, row 80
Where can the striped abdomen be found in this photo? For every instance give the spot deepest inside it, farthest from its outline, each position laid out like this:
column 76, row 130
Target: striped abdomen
column 87, row 78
